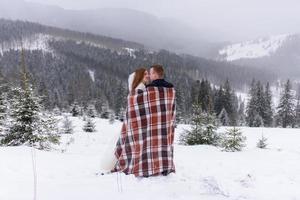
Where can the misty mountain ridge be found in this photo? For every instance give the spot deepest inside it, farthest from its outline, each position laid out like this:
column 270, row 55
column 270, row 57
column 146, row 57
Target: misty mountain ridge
column 128, row 24
column 34, row 36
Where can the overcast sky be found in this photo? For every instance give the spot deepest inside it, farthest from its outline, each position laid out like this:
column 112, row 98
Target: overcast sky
column 238, row 19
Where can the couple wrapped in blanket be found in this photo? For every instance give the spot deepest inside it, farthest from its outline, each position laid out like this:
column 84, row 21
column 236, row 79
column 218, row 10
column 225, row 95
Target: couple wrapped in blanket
column 145, row 146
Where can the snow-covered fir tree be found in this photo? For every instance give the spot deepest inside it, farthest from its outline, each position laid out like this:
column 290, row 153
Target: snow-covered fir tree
column 67, row 126
column 204, row 128
column 230, row 103
column 121, row 114
column 258, row 121
column 180, row 106
column 262, row 142
column 112, row 118
column 251, row 109
column 75, row 109
column 241, row 114
column 91, row 111
column 48, row 130
column 56, row 110
column 105, row 111
column 3, row 102
column 297, row 120
column 226, row 98
column 27, row 123
column 120, row 99
column 89, row 125
column 268, row 111
column 233, row 140
column 3, row 108
column 286, row 107
column 223, row 118
column 259, row 105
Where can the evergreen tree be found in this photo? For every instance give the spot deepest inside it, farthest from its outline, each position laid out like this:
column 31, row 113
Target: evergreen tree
column 251, row 109
column 121, row 114
column 219, row 100
column 3, row 108
column 204, row 96
column 56, row 110
column 259, row 105
column 233, row 140
column 112, row 118
column 3, row 102
column 120, row 99
column 268, row 118
column 67, row 127
column 230, row 103
column 195, row 90
column 179, row 106
column 89, row 126
column 223, row 118
column 262, row 142
column 91, row 111
column 105, row 111
column 225, row 98
column 297, row 121
column 286, row 107
column 241, row 114
column 258, row 121
column 203, row 130
column 27, row 124
column 75, row 109
column 47, row 130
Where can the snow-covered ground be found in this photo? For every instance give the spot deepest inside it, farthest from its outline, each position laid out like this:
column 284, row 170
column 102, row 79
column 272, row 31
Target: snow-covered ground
column 203, row 172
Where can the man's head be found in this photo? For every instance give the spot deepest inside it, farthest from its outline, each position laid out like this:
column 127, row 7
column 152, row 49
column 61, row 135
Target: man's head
column 156, row 72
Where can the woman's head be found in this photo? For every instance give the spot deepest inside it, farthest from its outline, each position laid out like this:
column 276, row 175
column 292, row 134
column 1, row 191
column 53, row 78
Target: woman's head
column 141, row 75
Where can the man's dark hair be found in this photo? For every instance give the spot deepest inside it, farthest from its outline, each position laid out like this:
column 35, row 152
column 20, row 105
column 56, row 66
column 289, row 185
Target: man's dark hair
column 159, row 70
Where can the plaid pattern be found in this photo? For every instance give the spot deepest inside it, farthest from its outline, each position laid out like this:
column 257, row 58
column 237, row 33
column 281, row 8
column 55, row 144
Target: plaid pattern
column 145, row 147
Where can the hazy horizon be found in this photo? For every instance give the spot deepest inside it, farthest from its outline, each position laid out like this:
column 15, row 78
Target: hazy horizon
column 232, row 20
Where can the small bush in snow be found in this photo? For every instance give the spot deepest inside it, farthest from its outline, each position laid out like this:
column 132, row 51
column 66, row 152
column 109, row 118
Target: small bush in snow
column 75, row 109
column 91, row 111
column 67, row 127
column 89, row 126
column 204, row 129
column 233, row 140
column 112, row 118
column 262, row 142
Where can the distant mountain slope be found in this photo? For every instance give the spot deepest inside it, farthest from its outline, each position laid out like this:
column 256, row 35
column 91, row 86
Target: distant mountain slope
column 253, row 49
column 13, row 31
column 127, row 24
column 279, row 54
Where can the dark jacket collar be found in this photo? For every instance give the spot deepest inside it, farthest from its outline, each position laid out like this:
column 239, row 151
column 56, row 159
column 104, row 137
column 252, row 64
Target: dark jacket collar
column 160, row 83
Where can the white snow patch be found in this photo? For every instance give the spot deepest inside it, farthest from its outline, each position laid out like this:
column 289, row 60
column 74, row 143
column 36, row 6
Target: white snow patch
column 92, row 75
column 34, row 42
column 254, row 48
column 101, row 46
column 130, row 51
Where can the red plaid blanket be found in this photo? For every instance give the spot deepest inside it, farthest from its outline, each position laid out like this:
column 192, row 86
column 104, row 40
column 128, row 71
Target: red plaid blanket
column 145, row 147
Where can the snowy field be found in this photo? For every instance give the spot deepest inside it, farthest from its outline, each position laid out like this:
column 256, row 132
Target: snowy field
column 203, row 172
